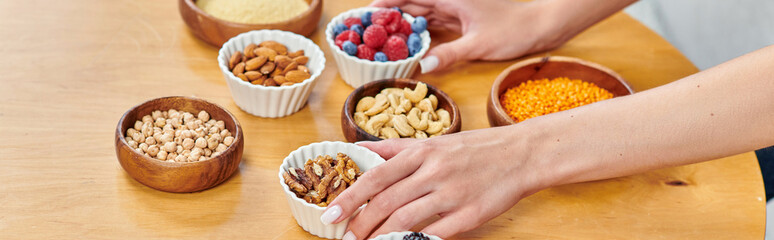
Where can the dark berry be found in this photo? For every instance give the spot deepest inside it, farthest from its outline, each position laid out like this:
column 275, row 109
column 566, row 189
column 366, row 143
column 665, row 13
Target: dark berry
column 338, row 28
column 365, row 52
column 395, row 49
column 350, row 48
column 348, row 35
column 398, row 9
column 352, row 21
column 366, row 19
column 415, row 236
column 357, row 28
column 420, row 24
column 375, row 36
column 380, row 57
column 414, row 44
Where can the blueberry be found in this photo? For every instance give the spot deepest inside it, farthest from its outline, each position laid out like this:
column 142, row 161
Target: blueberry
column 380, row 57
column 366, row 19
column 338, row 29
column 350, row 48
column 415, row 236
column 357, row 28
column 397, row 8
column 414, row 44
column 419, row 25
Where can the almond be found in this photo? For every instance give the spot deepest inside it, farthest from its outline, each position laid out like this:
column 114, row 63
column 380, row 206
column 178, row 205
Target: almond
column 287, row 84
column 258, row 81
column 277, row 47
column 297, row 76
column 292, row 66
column 280, row 80
column 301, row 60
column 277, row 72
column 242, row 76
column 253, row 75
column 269, row 82
column 266, row 52
column 303, row 68
column 249, row 50
column 296, row 54
column 268, row 68
column 235, row 58
column 238, row 69
column 282, row 61
column 255, row 63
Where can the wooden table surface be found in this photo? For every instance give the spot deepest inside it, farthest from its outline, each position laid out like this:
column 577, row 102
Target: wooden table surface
column 70, row 69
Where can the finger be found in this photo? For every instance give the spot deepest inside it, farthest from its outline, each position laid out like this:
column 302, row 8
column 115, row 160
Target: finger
column 388, row 148
column 416, row 9
column 372, row 182
column 446, row 54
column 456, row 222
column 386, row 202
column 412, row 214
column 401, row 3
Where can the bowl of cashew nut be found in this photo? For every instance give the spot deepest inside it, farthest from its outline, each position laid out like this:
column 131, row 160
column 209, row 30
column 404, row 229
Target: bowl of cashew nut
column 398, row 108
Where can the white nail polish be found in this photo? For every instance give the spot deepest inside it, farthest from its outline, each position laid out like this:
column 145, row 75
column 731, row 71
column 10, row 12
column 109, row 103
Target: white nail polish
column 349, row 236
column 358, row 143
column 330, row 215
column 428, row 64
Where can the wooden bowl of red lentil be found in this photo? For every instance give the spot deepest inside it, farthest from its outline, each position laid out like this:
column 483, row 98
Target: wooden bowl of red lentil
column 594, row 78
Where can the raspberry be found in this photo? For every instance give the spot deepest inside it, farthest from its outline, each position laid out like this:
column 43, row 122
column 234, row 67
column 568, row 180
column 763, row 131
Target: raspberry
column 401, row 36
column 393, row 27
column 395, row 49
column 348, row 35
column 366, row 19
column 352, row 21
column 405, row 27
column 350, row 48
column 414, row 44
column 375, row 36
column 420, row 24
column 415, row 236
column 357, row 28
column 339, row 28
column 380, row 57
column 385, row 16
column 365, row 52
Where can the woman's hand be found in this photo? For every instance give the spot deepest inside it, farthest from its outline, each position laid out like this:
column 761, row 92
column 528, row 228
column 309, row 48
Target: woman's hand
column 466, row 178
column 491, row 30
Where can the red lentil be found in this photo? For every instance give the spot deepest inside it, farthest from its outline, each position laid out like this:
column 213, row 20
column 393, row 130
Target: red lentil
column 540, row 97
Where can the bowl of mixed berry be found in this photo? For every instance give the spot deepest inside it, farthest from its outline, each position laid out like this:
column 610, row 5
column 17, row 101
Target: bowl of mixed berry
column 371, row 44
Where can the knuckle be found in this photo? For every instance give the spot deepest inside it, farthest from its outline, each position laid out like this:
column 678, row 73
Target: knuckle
column 403, row 219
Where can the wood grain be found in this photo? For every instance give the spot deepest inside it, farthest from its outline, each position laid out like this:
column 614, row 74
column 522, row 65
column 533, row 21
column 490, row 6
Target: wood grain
column 70, row 69
column 354, row 133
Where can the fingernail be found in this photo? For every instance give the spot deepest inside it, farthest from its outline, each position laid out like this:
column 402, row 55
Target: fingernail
column 330, row 215
column 428, row 64
column 358, row 143
column 349, row 236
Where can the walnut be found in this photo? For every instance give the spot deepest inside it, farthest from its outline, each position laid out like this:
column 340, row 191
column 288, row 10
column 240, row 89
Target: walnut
column 322, row 178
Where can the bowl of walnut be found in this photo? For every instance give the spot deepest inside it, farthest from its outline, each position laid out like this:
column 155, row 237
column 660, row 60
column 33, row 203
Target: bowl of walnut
column 313, row 175
column 398, row 108
column 270, row 73
column 179, row 144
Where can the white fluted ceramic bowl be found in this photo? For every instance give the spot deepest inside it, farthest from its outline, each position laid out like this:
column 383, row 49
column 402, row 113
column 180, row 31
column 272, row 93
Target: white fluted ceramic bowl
column 271, row 102
column 357, row 72
column 307, row 215
column 400, row 235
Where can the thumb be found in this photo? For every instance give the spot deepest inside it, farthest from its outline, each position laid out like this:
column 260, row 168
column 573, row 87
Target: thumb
column 446, row 54
column 388, row 148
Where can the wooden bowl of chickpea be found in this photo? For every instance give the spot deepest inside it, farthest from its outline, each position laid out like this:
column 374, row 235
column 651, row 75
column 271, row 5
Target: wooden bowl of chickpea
column 353, row 131
column 179, row 144
column 592, row 76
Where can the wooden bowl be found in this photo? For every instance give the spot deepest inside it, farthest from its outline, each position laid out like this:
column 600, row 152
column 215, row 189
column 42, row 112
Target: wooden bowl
column 179, row 176
column 216, row 31
column 354, row 133
column 550, row 67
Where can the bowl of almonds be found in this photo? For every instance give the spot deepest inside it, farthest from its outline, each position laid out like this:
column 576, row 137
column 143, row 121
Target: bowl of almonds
column 398, row 108
column 270, row 73
column 179, row 144
column 315, row 174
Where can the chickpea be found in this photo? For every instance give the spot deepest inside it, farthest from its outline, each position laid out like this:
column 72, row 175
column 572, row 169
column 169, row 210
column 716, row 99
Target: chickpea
column 173, row 113
column 132, row 143
column 187, row 117
column 130, row 132
column 179, row 141
column 160, row 122
column 180, row 158
column 213, row 142
column 200, row 133
column 147, row 131
column 170, row 146
column 153, row 150
column 204, row 116
column 143, row 147
column 214, row 130
column 138, row 137
column 166, row 138
column 211, row 122
column 192, row 125
column 150, row 141
column 188, row 143
column 207, row 152
column 147, row 119
column 162, row 155
column 137, row 125
column 171, row 156
column 202, row 158
column 201, row 143
column 220, row 148
column 157, row 136
column 179, row 149
column 225, row 133
column 156, row 114
column 220, row 124
column 228, row 140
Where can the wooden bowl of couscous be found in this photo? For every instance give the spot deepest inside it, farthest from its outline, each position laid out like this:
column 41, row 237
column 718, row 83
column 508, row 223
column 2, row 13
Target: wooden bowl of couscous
column 217, row 21
column 544, row 85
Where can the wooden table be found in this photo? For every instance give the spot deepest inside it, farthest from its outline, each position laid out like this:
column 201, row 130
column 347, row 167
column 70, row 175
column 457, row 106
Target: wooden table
column 71, row 68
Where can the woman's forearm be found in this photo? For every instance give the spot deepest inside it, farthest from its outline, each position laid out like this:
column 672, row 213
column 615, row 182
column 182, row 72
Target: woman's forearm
column 563, row 19
column 726, row 110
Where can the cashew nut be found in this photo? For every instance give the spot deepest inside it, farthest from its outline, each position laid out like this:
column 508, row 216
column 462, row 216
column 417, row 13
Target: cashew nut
column 434, row 127
column 388, row 132
column 376, row 122
column 365, row 104
column 417, row 94
column 415, row 121
column 400, row 123
column 360, row 119
column 426, row 106
column 434, row 100
column 395, row 103
column 380, row 104
column 405, row 104
column 444, row 117
column 420, row 135
column 396, row 91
